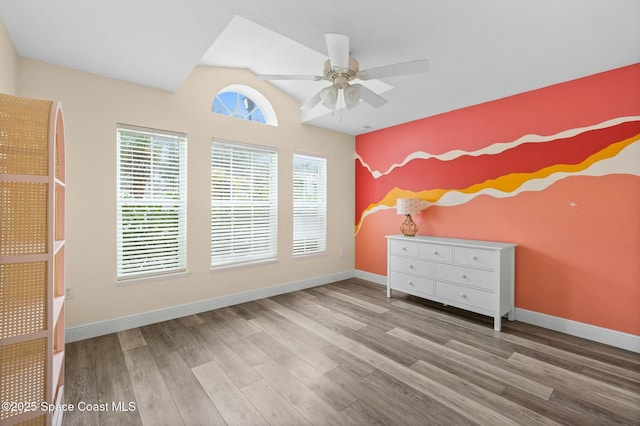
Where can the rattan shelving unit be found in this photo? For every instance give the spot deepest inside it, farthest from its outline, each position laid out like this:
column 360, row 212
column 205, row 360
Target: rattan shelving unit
column 32, row 240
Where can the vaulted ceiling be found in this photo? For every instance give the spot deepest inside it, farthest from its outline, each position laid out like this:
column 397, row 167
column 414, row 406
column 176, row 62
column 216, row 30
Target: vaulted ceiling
column 478, row 50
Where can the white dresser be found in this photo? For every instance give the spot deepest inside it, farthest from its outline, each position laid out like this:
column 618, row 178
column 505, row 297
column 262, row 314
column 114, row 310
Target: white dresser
column 469, row 274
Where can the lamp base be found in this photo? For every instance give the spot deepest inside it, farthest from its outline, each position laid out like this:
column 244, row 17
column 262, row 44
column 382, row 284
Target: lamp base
column 409, row 227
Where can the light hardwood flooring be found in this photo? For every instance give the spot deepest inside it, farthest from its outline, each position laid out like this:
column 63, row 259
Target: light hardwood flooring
column 345, row 354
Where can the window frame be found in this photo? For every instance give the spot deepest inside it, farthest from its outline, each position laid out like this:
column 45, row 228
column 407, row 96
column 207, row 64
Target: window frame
column 167, row 194
column 302, row 245
column 254, row 237
column 258, row 99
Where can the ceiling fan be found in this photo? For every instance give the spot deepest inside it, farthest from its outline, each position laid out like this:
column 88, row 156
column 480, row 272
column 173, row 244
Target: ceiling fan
column 341, row 70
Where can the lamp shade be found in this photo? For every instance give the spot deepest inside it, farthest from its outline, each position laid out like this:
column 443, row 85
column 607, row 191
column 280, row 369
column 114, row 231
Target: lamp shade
column 329, row 96
column 351, row 96
column 408, row 205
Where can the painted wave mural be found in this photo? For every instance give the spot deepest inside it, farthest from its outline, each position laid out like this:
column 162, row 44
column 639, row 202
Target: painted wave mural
column 502, row 169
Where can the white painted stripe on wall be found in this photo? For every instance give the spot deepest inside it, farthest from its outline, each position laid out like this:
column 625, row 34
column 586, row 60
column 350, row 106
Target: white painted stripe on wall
column 497, row 148
column 625, row 162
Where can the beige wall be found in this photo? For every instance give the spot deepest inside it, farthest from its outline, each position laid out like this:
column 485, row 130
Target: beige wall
column 8, row 63
column 93, row 105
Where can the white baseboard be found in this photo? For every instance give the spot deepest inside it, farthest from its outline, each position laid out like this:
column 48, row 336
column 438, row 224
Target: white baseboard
column 598, row 334
column 374, row 278
column 100, row 328
column 607, row 336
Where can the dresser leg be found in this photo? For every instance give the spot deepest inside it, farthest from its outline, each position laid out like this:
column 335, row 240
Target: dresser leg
column 511, row 315
column 388, row 291
column 497, row 323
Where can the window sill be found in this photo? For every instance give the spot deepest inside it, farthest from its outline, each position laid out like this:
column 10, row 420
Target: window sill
column 150, row 278
column 308, row 255
column 243, row 265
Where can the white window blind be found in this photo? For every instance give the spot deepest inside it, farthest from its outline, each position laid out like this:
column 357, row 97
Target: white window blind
column 244, row 203
column 152, row 208
column 309, row 204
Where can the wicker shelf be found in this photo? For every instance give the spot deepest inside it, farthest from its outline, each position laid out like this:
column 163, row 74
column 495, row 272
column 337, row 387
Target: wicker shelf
column 32, row 199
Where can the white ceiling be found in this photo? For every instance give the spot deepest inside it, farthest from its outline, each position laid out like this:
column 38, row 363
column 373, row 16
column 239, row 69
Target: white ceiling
column 478, row 50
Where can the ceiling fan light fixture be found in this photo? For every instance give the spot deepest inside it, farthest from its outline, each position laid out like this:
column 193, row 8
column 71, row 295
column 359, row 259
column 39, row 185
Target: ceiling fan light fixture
column 329, row 96
column 352, row 95
column 341, row 69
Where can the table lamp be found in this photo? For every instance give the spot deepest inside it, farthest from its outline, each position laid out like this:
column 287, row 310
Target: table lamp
column 407, row 207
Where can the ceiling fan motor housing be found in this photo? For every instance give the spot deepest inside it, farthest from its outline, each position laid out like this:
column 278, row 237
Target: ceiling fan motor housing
column 341, row 77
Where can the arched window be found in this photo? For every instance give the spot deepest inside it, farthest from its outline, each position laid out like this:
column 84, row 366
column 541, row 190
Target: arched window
column 245, row 103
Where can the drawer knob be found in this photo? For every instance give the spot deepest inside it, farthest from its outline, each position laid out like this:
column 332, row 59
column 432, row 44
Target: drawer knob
column 411, row 283
column 404, row 248
column 435, row 252
column 410, row 266
column 463, row 275
column 474, row 257
column 464, row 296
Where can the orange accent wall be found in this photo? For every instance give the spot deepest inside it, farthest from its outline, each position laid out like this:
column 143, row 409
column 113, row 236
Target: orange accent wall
column 578, row 234
column 545, row 111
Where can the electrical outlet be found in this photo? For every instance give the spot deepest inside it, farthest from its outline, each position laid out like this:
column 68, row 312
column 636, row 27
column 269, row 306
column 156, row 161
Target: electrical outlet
column 68, row 293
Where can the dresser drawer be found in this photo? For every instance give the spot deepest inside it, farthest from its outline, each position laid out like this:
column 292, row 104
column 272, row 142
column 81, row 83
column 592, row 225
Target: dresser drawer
column 476, row 257
column 403, row 248
column 464, row 297
column 469, row 276
column 418, row 286
column 411, row 266
column 439, row 252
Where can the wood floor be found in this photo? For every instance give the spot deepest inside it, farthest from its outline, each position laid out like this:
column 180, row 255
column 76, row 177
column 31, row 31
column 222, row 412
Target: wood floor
column 345, row 354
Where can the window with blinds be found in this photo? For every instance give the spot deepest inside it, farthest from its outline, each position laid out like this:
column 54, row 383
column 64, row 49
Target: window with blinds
column 152, row 202
column 244, row 203
column 309, row 204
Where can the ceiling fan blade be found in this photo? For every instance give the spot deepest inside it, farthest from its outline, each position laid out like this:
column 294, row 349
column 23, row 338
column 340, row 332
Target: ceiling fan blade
column 405, row 68
column 312, row 101
column 338, row 48
column 289, row 77
column 370, row 97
